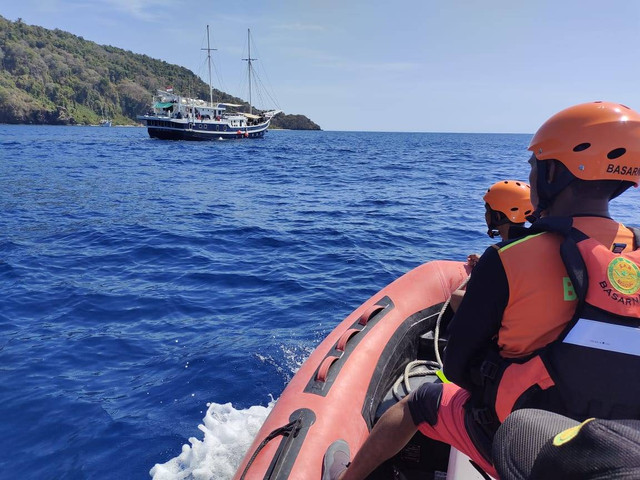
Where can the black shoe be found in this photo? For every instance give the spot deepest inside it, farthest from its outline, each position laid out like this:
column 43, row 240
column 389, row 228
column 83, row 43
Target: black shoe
column 336, row 460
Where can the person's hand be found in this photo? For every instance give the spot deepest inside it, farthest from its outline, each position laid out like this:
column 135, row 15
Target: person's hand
column 473, row 259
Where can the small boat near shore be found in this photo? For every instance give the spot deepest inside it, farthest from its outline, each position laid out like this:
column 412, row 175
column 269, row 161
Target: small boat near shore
column 105, row 121
column 386, row 348
column 174, row 117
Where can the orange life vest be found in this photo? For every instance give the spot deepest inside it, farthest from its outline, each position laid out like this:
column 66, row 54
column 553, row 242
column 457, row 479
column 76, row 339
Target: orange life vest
column 590, row 367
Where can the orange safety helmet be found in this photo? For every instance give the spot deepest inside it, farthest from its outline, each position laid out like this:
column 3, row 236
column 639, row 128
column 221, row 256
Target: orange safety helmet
column 511, row 198
column 594, row 141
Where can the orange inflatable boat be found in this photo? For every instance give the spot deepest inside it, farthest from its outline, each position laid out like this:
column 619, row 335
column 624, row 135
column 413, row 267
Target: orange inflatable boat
column 354, row 375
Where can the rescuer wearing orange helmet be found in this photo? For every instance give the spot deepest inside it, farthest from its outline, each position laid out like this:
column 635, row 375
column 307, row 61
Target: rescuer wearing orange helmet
column 549, row 320
column 507, row 205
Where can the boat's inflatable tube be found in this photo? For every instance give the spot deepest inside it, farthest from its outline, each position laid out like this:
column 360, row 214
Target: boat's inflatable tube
column 337, row 391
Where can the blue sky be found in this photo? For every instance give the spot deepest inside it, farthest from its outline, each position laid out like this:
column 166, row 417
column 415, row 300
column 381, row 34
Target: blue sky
column 416, row 65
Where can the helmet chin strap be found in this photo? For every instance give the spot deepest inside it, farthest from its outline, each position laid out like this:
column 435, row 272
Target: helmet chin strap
column 543, row 204
column 496, row 219
column 548, row 190
column 535, row 215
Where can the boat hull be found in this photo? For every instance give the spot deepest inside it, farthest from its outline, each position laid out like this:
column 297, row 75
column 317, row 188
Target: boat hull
column 340, row 389
column 175, row 129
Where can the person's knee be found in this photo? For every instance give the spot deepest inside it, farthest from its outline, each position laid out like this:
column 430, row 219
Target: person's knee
column 424, row 403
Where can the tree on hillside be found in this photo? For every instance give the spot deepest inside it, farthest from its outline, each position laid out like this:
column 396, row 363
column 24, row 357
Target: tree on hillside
column 54, row 77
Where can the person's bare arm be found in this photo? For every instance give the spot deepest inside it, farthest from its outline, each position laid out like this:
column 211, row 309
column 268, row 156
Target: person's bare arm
column 392, row 432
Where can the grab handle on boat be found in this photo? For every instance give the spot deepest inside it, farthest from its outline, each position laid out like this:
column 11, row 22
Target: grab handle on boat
column 370, row 312
column 290, row 429
column 344, row 338
column 323, row 371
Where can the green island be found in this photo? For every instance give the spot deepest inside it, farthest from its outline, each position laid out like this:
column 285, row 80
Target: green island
column 56, row 78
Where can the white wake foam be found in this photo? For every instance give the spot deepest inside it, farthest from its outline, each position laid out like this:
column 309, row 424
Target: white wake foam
column 228, row 434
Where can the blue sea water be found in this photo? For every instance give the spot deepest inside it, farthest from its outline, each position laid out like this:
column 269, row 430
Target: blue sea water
column 160, row 294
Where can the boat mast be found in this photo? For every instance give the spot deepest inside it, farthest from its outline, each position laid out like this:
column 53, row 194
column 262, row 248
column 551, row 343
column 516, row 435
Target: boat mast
column 208, row 49
column 249, row 60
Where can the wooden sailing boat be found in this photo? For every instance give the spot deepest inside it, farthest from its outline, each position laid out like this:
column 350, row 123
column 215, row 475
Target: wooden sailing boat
column 174, row 117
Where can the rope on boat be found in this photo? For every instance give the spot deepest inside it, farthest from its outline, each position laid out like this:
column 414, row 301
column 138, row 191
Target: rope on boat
column 422, row 368
column 416, row 368
column 436, row 334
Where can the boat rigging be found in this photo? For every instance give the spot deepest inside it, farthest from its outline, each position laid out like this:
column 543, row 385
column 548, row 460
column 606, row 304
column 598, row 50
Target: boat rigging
column 174, row 117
